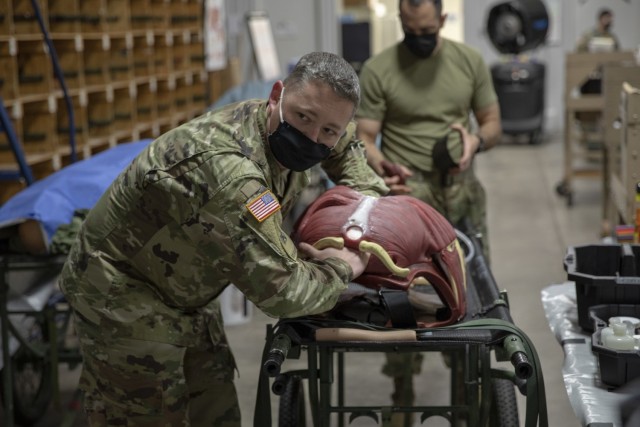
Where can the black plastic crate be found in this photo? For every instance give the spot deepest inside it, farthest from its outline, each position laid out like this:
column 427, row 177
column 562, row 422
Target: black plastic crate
column 616, row 367
column 604, row 274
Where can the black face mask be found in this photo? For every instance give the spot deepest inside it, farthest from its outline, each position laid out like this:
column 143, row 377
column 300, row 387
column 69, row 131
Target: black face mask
column 421, row 45
column 292, row 149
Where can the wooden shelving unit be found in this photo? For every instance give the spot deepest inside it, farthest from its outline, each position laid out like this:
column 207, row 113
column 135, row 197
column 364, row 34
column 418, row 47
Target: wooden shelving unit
column 624, row 203
column 580, row 160
column 133, row 68
column 617, row 150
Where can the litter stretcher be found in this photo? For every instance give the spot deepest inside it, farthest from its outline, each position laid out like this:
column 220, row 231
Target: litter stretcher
column 481, row 394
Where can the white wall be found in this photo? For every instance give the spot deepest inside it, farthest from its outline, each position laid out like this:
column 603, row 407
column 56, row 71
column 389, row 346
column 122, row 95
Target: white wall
column 575, row 17
column 294, row 29
column 299, row 27
column 385, row 25
column 304, row 25
column 454, row 26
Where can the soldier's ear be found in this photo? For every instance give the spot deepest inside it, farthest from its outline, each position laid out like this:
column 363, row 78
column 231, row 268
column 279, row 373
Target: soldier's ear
column 276, row 93
column 443, row 19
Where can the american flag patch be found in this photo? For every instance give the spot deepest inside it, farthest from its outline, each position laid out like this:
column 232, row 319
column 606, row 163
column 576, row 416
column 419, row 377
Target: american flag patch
column 263, row 206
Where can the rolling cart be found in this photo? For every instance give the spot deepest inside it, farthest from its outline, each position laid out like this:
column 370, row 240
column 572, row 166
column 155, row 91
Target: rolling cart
column 34, row 319
column 488, row 393
column 587, row 101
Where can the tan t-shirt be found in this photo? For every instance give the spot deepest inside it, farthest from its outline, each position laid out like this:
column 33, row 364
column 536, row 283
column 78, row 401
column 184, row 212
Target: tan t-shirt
column 418, row 99
column 583, row 43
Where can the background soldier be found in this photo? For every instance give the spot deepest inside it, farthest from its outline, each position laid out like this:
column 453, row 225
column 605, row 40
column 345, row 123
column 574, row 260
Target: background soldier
column 418, row 96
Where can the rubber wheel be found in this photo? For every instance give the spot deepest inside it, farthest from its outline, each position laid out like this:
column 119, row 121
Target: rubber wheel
column 32, row 383
column 504, row 406
column 292, row 411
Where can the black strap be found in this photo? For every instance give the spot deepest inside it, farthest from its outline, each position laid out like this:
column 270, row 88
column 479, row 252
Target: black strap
column 399, row 308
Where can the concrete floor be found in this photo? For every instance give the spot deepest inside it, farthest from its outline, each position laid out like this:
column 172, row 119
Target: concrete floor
column 530, row 229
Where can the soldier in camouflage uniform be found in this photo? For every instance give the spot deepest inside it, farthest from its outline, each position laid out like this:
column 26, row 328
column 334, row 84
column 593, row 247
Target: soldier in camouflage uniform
column 414, row 94
column 200, row 208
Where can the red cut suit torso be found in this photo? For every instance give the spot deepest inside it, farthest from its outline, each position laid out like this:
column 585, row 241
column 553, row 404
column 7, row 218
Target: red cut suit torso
column 419, row 241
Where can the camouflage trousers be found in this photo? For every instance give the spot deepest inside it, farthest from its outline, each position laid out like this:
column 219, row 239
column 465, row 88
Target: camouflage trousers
column 458, row 198
column 135, row 383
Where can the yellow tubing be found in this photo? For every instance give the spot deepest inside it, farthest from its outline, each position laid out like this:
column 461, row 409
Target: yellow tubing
column 383, row 256
column 367, row 247
column 329, row 242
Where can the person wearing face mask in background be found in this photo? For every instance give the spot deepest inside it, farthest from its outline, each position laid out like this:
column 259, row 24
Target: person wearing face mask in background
column 601, row 31
column 201, row 208
column 417, row 96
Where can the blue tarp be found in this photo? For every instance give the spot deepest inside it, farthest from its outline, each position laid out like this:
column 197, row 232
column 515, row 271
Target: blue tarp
column 52, row 200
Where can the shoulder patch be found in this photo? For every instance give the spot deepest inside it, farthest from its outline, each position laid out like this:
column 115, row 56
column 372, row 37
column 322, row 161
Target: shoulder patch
column 263, row 206
column 250, row 189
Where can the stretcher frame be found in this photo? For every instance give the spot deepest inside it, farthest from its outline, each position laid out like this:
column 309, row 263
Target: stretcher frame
column 50, row 350
column 486, row 328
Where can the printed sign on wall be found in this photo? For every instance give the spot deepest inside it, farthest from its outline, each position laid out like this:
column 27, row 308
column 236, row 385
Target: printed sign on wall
column 215, row 39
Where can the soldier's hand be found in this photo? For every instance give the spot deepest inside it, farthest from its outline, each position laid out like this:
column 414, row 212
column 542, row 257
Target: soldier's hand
column 395, row 175
column 395, row 188
column 356, row 260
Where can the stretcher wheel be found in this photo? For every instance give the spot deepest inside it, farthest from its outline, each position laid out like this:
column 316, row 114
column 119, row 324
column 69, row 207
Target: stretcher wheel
column 292, row 406
column 563, row 189
column 504, row 406
column 32, row 380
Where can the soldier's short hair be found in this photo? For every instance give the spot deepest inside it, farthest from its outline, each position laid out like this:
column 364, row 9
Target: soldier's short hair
column 604, row 12
column 330, row 69
column 414, row 3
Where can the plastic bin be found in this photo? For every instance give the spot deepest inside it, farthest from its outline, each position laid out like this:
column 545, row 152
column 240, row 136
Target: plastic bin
column 617, row 367
column 603, row 274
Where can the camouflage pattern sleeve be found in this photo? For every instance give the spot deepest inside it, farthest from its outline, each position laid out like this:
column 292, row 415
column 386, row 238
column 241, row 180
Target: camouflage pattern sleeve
column 347, row 165
column 268, row 270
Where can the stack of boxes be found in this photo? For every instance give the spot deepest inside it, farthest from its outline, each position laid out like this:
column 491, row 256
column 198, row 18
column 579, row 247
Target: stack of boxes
column 133, row 69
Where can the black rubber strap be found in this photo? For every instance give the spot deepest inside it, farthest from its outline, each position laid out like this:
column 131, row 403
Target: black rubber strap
column 399, row 308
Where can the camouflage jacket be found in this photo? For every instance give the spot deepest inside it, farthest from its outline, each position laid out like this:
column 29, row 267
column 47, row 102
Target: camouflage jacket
column 174, row 229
